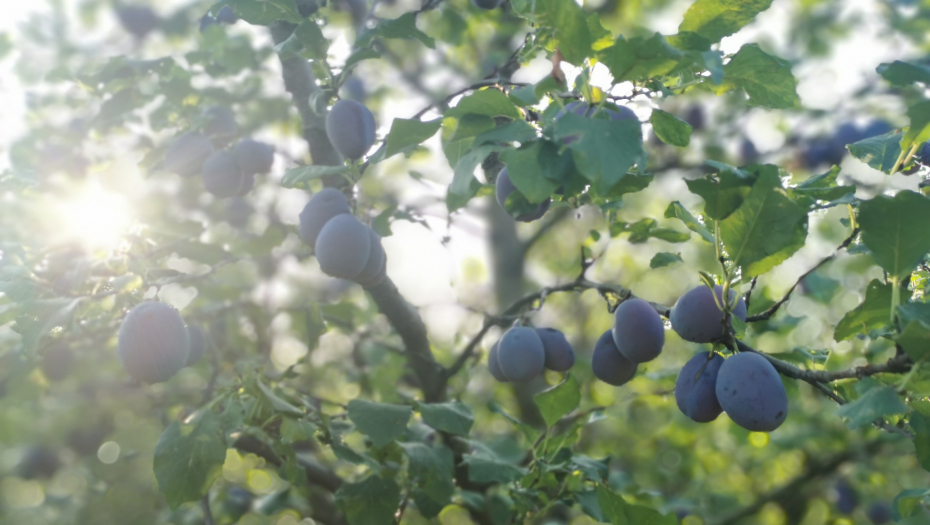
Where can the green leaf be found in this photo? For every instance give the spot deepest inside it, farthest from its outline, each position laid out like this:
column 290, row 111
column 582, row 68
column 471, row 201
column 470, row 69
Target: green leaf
column 491, row 102
column 296, row 430
column 409, row 132
column 722, row 196
column 571, row 32
column 263, row 13
column 189, row 456
column 454, row 417
column 876, row 403
column 822, row 187
column 403, row 27
column 463, row 177
column 276, row 402
column 921, row 426
column 307, row 39
column 662, row 259
column 534, row 169
column 587, row 500
column 677, row 211
column 372, row 501
column 516, row 131
column 906, row 503
column 618, row 512
column 880, row 152
column 901, row 73
column 715, row 19
column 919, row 130
column 670, row 129
column 381, row 422
column 300, row 177
column 603, row 150
column 645, row 229
column 895, row 230
column 766, row 79
column 766, row 229
column 641, row 58
column 874, row 313
column 485, row 469
column 559, row 400
column 915, row 340
column 433, row 468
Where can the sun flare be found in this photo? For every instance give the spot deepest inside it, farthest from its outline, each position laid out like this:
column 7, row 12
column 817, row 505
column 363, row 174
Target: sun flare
column 94, row 217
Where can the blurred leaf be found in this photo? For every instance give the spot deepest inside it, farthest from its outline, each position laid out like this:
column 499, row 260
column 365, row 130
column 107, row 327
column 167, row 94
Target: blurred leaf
column 300, row 177
column 915, row 340
column 822, row 187
column 403, row 27
column 662, row 259
column 876, row 403
column 618, row 512
column 677, row 211
column 669, row 129
column 262, row 12
column 454, row 417
column 900, row 73
column 766, row 79
column 463, row 178
column 433, row 468
column 907, row 502
column 296, row 430
column 645, row 229
column 921, row 426
column 276, row 402
column 603, row 150
column 559, row 400
column 880, row 152
column 894, row 230
column 715, row 19
column 641, row 58
column 874, row 313
column 571, row 31
column 307, row 37
column 409, row 132
column 189, row 456
column 381, row 422
column 587, row 500
column 372, row 501
column 484, row 469
column 919, row 130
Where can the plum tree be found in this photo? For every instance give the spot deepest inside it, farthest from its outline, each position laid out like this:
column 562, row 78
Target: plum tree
column 695, row 388
column 505, row 189
column 560, row 356
column 187, row 153
column 38, row 461
column 137, row 20
column 638, row 331
column 57, row 361
column 486, row 4
column 226, row 15
column 750, row 391
column 153, row 343
column 343, row 246
column 879, row 513
column 697, row 318
column 253, row 157
column 197, row 344
column 608, row 364
column 494, row 365
column 350, row 127
column 219, row 124
column 238, row 211
column 221, row 175
column 375, row 268
column 520, row 354
column 323, row 206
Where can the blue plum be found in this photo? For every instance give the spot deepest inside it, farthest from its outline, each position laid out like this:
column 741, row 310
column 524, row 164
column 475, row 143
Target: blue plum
column 560, row 356
column 237, row 212
column 195, row 335
column 222, row 176
column 875, row 128
column 751, row 393
column 322, row 207
column 57, row 361
column 153, row 343
column 253, row 157
column 520, row 354
column 696, row 317
column 695, row 117
column 219, row 124
column 504, row 188
column 879, row 513
column 38, row 461
column 354, row 89
column 748, row 154
column 823, row 151
column 494, row 365
column 375, row 269
column 638, row 331
column 226, row 15
column 343, row 246
column 486, row 4
column 137, row 20
column 350, row 127
column 608, row 364
column 695, row 388
column 238, row 501
column 847, row 133
column 248, row 182
column 186, row 154
column 846, row 497
column 923, row 154
column 207, row 21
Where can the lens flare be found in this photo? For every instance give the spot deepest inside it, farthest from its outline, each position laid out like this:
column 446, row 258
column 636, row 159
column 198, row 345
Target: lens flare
column 95, row 218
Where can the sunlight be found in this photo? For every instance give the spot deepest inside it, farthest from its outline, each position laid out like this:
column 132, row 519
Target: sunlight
column 96, row 218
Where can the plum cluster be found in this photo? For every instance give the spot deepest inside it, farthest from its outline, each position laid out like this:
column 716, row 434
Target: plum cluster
column 523, row 352
column 344, row 247
column 225, row 172
column 154, row 343
column 350, row 126
column 636, row 337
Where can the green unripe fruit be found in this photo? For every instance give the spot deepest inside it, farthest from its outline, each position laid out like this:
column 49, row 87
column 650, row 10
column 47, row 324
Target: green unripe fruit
column 153, row 342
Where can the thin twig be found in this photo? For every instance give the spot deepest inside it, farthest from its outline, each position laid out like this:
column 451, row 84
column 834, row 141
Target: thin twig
column 207, row 514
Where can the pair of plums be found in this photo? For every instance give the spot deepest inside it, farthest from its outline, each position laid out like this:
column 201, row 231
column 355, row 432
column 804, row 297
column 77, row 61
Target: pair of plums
column 154, row 343
column 523, row 352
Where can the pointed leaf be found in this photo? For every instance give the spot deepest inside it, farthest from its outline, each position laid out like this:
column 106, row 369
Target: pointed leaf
column 766, row 79
column 715, row 19
column 189, row 456
column 372, row 501
column 895, row 230
column 381, row 422
column 559, row 400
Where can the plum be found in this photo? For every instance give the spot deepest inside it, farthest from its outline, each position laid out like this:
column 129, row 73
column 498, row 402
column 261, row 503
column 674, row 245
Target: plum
column 138, row 20
column 343, row 246
column 238, row 501
column 207, row 21
column 751, row 392
column 520, row 354
column 504, row 188
column 608, row 364
column 153, row 343
column 322, row 207
column 823, row 152
column 219, row 124
column 486, row 4
column 695, row 388
column 879, row 513
column 253, row 157
column 494, row 365
column 560, row 356
column 221, row 175
column 237, row 212
column 695, row 117
column 350, row 127
column 226, row 15
column 248, row 182
column 748, row 153
column 187, row 153
column 376, row 266
column 696, row 317
column 195, row 335
column 57, row 361
column 38, row 461
column 354, row 89
column 847, row 133
column 846, row 497
column 638, row 331
column 875, row 128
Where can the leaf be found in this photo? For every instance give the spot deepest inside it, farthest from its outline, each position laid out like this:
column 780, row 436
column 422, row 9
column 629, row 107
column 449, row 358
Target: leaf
column 618, row 512
column 915, row 340
column 263, row 13
column 880, row 152
column 300, row 177
column 874, row 313
column 489, row 101
column 715, row 19
column 900, row 73
column 372, row 501
column 409, row 132
column 641, row 58
column 454, row 417
column 895, row 230
column 645, row 229
column 662, row 259
column 919, row 130
column 433, row 467
column 571, row 31
column 484, row 469
column 189, row 456
column 670, row 129
column 677, row 211
column 921, row 426
column 822, row 187
column 296, row 430
column 276, row 402
column 876, row 403
column 603, row 150
column 587, row 500
column 516, row 131
column 381, row 422
column 906, row 503
column 559, row 400
column 722, row 196
column 534, row 169
column 307, row 37
column 463, row 177
column 766, row 229
column 766, row 79
column 403, row 27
